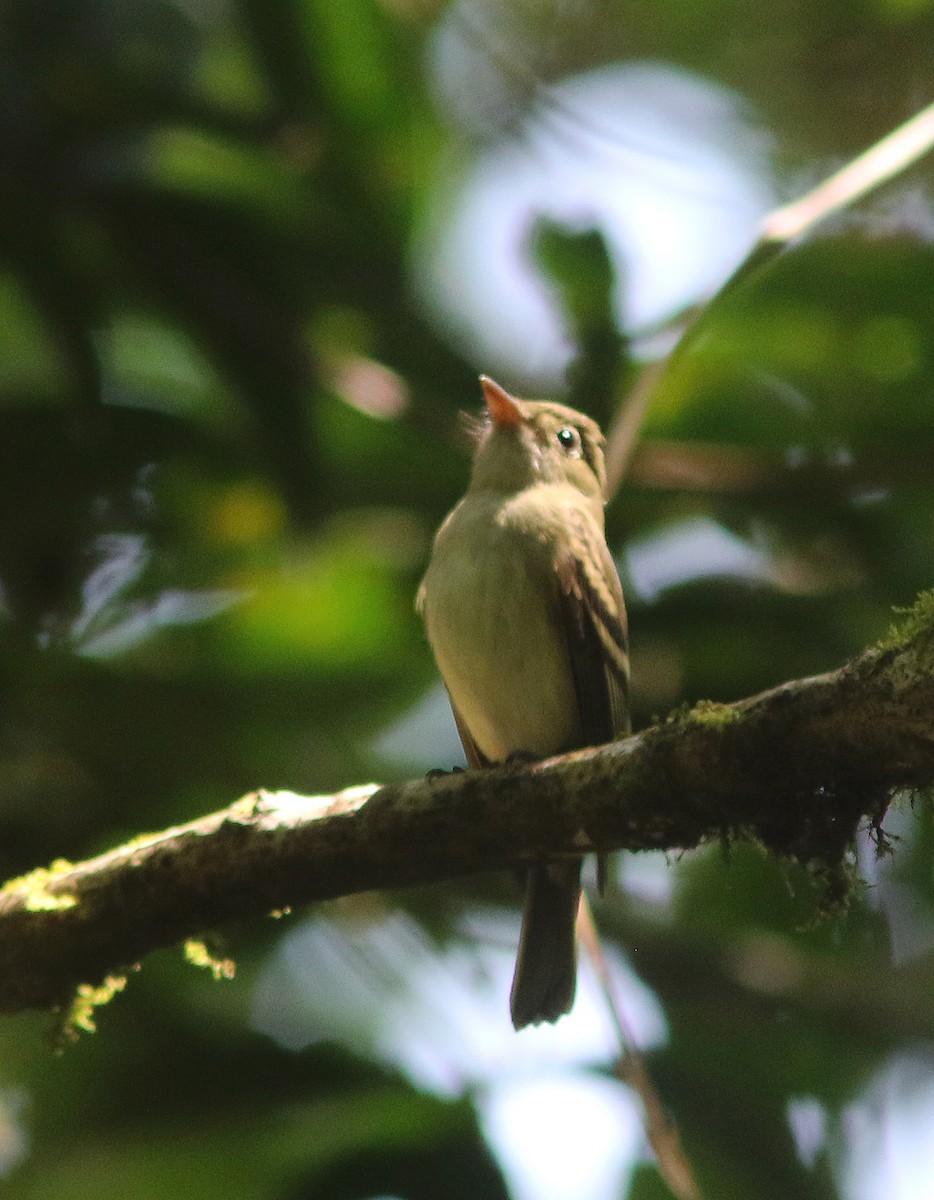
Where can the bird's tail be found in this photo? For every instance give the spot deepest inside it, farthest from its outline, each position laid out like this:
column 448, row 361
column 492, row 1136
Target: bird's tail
column 546, row 967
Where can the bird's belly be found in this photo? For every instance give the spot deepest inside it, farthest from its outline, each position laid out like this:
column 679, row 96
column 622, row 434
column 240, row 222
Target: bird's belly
column 501, row 653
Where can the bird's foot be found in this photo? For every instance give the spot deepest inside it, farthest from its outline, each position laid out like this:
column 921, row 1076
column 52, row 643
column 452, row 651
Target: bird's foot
column 522, row 758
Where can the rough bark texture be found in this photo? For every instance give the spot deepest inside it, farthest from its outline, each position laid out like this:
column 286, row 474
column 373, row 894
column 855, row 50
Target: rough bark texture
column 797, row 767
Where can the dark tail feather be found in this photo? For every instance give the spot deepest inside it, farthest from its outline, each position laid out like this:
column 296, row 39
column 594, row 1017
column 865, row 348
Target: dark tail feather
column 546, row 967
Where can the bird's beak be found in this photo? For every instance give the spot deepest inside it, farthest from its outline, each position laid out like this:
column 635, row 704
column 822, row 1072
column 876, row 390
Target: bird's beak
column 503, row 408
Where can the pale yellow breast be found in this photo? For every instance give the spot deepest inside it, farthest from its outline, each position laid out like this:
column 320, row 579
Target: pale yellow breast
column 489, row 601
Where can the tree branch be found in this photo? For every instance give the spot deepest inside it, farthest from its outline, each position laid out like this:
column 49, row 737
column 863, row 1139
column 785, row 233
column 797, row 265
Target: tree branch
column 798, row 767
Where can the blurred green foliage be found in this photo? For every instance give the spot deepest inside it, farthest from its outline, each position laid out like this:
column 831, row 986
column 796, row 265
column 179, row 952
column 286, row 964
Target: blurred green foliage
column 228, row 427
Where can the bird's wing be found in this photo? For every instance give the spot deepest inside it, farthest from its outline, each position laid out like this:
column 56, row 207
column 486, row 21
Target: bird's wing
column 594, row 619
column 471, row 750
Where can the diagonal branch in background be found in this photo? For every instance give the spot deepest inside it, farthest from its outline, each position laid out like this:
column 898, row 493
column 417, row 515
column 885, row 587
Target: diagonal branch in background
column 798, row 767
column 894, row 153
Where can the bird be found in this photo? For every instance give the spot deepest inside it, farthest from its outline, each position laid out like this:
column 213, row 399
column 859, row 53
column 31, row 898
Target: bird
column 524, row 613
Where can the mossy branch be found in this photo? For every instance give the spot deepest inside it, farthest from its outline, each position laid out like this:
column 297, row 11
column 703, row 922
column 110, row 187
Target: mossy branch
column 798, row 767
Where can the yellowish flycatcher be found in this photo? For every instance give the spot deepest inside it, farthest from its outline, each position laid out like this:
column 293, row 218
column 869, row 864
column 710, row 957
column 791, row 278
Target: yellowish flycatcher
column 524, row 612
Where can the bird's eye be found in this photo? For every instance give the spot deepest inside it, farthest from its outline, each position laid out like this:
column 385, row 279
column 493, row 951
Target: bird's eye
column 568, row 439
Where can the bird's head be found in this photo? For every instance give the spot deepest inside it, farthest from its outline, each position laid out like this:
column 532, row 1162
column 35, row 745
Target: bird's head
column 524, row 442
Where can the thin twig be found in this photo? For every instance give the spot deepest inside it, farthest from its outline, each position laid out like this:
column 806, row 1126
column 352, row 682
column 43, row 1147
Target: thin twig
column 887, row 158
column 660, row 1130
column 891, row 155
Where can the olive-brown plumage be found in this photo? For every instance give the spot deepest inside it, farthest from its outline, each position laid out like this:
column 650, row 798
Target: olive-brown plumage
column 524, row 612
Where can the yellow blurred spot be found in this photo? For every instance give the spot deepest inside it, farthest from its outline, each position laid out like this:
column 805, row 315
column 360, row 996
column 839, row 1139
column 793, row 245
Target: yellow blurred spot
column 36, row 892
column 198, row 954
column 902, row 8
column 245, row 513
column 887, row 348
column 338, row 613
column 87, row 998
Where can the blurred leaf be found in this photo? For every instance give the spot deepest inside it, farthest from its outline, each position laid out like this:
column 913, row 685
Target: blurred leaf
column 826, row 348
column 578, row 266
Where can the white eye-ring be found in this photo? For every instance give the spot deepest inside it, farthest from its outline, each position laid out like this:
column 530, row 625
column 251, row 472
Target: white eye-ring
column 568, row 439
